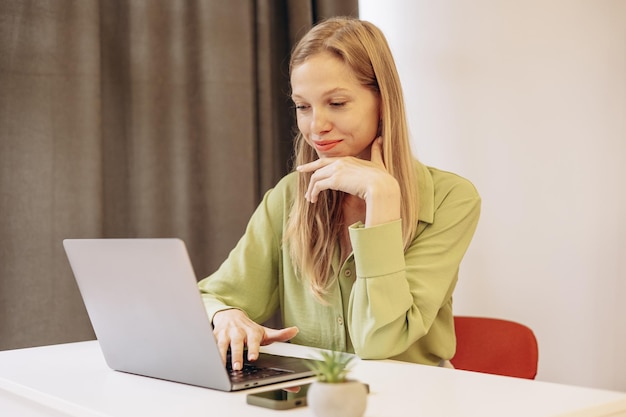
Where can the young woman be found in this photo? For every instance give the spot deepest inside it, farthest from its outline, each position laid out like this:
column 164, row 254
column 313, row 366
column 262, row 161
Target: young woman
column 360, row 246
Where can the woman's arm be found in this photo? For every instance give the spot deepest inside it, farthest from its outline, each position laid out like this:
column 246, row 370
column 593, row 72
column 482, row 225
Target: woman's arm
column 397, row 295
column 244, row 290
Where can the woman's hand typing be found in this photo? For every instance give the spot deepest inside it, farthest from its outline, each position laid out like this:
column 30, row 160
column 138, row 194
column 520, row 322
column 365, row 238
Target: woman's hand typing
column 232, row 328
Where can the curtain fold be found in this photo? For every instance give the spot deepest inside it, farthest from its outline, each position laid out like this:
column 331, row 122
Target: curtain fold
column 134, row 118
column 50, row 164
column 180, row 136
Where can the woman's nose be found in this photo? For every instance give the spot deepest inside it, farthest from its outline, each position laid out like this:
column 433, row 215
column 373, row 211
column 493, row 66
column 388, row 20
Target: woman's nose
column 320, row 123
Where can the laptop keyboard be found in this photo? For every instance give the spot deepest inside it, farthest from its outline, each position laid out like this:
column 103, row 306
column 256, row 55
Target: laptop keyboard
column 251, row 372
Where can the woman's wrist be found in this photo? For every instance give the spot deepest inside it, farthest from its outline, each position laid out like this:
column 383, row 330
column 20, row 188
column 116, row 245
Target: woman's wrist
column 383, row 202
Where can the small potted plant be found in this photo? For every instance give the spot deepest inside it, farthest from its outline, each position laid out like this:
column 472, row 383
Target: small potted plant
column 333, row 394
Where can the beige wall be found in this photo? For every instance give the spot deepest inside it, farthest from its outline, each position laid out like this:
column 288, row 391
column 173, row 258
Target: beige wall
column 528, row 100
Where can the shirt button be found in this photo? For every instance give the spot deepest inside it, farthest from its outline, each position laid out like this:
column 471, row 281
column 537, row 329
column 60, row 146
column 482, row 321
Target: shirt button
column 348, row 272
column 340, row 320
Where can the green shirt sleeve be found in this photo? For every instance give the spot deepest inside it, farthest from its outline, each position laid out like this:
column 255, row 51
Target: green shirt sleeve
column 248, row 278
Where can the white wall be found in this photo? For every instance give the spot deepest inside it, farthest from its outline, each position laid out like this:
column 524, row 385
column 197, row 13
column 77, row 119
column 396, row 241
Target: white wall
column 527, row 99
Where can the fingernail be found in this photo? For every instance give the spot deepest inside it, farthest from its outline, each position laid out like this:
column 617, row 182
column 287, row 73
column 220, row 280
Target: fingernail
column 252, row 357
column 237, row 366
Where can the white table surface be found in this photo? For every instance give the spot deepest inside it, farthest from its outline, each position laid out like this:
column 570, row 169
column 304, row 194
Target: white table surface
column 73, row 380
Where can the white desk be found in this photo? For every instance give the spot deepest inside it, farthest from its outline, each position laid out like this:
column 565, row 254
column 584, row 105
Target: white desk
column 73, row 380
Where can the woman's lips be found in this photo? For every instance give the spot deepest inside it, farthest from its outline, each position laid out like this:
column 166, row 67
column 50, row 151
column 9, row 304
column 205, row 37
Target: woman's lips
column 325, row 145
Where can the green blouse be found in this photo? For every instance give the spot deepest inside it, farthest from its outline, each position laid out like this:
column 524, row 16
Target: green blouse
column 400, row 303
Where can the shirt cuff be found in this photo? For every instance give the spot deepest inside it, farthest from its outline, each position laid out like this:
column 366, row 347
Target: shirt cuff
column 378, row 250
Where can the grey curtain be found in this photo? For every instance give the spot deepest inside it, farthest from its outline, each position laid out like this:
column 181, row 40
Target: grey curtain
column 134, row 118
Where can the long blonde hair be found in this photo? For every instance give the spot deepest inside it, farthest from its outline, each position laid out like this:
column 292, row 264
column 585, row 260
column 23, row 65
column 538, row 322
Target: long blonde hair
column 313, row 230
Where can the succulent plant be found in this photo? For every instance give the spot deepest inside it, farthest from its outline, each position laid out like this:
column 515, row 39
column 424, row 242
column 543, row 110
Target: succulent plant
column 332, row 366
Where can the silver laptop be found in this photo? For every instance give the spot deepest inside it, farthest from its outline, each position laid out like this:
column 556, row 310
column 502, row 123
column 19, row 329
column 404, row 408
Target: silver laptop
column 146, row 310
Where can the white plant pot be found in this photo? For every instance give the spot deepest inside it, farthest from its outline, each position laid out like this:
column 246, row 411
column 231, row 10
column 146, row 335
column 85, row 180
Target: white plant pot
column 346, row 399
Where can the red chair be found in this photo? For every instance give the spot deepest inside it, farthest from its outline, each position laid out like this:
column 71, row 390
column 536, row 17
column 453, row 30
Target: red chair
column 495, row 346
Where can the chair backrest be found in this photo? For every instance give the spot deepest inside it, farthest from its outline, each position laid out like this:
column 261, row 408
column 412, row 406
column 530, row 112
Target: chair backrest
column 495, row 346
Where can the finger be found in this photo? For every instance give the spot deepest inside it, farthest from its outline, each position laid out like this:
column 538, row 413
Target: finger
column 236, row 353
column 377, row 151
column 255, row 338
column 315, row 165
column 223, row 344
column 316, row 186
column 324, row 179
column 280, row 335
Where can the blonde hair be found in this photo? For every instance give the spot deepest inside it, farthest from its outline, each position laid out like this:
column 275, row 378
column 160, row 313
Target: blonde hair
column 313, row 230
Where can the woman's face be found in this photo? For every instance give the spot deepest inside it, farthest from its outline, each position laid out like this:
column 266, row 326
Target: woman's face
column 336, row 114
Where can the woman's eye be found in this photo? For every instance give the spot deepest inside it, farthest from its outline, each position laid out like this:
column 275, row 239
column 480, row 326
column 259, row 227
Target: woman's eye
column 337, row 103
column 301, row 106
